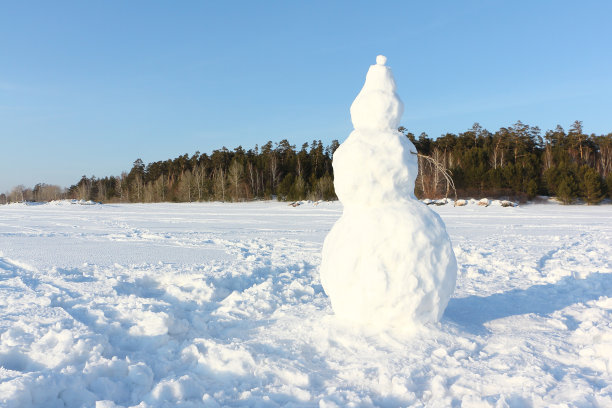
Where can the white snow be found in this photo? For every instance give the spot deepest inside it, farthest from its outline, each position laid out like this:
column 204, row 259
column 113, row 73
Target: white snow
column 208, row 305
column 377, row 106
column 388, row 261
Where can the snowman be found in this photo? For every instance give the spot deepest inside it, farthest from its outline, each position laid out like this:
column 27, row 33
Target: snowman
column 388, row 261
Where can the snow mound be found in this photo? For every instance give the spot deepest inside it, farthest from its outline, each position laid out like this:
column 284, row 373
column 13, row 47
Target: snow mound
column 388, row 261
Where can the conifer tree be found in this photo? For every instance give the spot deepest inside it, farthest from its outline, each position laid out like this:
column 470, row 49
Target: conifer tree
column 567, row 189
column 592, row 187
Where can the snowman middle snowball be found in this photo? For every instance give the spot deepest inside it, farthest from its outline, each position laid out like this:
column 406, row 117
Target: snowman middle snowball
column 388, row 260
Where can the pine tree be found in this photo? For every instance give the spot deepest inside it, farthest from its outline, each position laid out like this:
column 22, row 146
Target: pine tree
column 298, row 189
column 532, row 188
column 284, row 187
column 591, row 186
column 567, row 189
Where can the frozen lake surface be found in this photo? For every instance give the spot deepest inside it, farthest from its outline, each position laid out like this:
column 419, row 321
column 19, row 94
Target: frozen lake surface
column 207, row 305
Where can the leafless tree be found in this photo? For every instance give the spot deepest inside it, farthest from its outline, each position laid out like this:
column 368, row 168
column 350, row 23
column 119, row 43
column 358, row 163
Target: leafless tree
column 17, row 194
column 440, row 172
column 186, row 186
column 137, row 188
column 274, row 171
column 236, row 171
column 199, row 174
column 253, row 179
column 220, row 183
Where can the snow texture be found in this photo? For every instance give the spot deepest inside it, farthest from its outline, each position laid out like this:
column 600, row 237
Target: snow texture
column 388, row 261
column 208, row 305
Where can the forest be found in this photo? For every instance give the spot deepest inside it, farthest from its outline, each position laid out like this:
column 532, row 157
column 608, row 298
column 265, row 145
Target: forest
column 516, row 162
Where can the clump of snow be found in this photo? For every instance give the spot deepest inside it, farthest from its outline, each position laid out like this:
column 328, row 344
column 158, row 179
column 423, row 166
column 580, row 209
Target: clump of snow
column 503, row 203
column 442, row 201
column 85, row 202
column 298, row 203
column 485, row 202
column 388, row 261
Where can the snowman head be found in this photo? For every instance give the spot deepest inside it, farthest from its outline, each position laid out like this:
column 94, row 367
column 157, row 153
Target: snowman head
column 377, row 107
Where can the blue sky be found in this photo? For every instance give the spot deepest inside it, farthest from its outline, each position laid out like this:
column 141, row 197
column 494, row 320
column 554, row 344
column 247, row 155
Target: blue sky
column 88, row 87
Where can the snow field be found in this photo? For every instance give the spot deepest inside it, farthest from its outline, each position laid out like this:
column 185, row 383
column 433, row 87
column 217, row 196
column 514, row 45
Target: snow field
column 206, row 305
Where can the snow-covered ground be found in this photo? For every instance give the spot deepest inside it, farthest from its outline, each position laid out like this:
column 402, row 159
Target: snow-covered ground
column 221, row 305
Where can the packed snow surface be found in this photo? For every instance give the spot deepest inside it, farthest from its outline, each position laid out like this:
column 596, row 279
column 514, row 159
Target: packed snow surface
column 388, row 261
column 206, row 305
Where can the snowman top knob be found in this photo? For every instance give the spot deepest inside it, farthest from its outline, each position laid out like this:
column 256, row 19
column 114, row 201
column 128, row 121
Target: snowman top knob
column 381, row 60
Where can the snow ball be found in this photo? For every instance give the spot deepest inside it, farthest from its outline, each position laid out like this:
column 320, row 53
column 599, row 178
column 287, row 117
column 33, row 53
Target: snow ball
column 166, row 390
column 388, row 174
column 237, row 360
column 377, row 106
column 55, row 348
column 175, row 390
column 140, row 374
column 381, row 60
column 391, row 266
column 14, row 336
column 150, row 324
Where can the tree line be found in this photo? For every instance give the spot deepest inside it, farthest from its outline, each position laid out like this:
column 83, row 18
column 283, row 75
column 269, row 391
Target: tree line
column 516, row 162
column 274, row 170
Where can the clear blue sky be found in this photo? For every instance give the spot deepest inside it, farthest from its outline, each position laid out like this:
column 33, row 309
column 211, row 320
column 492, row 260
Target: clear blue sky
column 87, row 87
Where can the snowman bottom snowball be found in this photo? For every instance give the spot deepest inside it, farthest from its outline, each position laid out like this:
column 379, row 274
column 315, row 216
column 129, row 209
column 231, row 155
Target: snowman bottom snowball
column 389, row 267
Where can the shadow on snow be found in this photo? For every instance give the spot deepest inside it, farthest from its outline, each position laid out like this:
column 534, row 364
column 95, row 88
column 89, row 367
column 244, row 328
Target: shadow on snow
column 475, row 311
